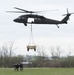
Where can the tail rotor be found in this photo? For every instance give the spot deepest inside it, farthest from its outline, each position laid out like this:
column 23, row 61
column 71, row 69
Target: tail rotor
column 68, row 14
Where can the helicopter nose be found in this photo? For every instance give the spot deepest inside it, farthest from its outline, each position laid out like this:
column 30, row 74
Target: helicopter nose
column 15, row 20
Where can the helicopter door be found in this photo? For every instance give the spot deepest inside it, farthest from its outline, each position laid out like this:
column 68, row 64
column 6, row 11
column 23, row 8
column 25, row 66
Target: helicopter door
column 30, row 20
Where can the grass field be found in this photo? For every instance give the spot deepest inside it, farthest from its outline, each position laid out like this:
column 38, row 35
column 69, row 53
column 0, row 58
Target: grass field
column 38, row 71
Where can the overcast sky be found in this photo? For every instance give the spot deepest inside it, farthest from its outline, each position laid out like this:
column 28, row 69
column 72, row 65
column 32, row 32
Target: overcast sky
column 44, row 35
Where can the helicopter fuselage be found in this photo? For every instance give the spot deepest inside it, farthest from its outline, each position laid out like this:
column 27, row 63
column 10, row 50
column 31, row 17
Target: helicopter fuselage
column 38, row 19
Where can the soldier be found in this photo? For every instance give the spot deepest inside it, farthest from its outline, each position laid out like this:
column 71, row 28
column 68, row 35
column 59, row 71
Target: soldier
column 16, row 67
column 21, row 67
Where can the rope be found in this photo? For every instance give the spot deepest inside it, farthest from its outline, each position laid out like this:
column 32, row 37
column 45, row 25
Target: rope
column 31, row 41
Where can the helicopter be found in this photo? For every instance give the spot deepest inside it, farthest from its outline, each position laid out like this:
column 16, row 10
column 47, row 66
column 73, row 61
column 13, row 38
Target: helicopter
column 39, row 19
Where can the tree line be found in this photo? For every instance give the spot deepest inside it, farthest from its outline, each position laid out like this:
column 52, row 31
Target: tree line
column 8, row 58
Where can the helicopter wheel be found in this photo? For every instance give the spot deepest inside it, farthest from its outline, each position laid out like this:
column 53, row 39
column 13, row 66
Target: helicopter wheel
column 34, row 49
column 25, row 24
column 27, row 49
column 57, row 26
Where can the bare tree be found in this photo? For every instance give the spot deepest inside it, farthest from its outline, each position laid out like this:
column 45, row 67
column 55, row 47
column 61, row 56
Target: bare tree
column 55, row 53
column 11, row 48
column 6, row 53
column 1, row 57
column 69, row 52
column 42, row 57
column 58, row 51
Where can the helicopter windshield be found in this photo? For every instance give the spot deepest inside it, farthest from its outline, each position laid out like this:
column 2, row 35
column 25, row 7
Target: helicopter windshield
column 19, row 17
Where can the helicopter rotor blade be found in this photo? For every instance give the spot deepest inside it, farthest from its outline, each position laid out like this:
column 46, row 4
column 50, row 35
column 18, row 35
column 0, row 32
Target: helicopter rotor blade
column 33, row 11
column 47, row 10
column 67, row 14
column 71, row 13
column 15, row 11
column 25, row 11
column 21, row 9
column 67, row 11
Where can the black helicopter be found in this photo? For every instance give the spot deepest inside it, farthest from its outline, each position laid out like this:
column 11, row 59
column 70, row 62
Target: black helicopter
column 38, row 19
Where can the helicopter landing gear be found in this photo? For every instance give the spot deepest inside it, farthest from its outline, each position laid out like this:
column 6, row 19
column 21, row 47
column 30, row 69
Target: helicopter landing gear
column 25, row 24
column 57, row 26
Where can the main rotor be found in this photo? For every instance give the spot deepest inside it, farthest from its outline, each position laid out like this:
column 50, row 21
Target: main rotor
column 26, row 11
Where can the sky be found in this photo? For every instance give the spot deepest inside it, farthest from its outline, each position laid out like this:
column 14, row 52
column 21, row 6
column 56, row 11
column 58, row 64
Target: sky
column 46, row 36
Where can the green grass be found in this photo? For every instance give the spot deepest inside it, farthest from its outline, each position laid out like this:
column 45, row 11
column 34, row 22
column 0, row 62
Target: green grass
column 38, row 71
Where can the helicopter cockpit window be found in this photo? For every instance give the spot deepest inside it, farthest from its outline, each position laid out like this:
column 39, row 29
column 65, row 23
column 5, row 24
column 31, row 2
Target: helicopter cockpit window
column 37, row 18
column 19, row 17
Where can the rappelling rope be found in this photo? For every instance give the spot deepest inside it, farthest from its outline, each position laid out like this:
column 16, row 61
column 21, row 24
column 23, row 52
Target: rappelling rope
column 31, row 41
